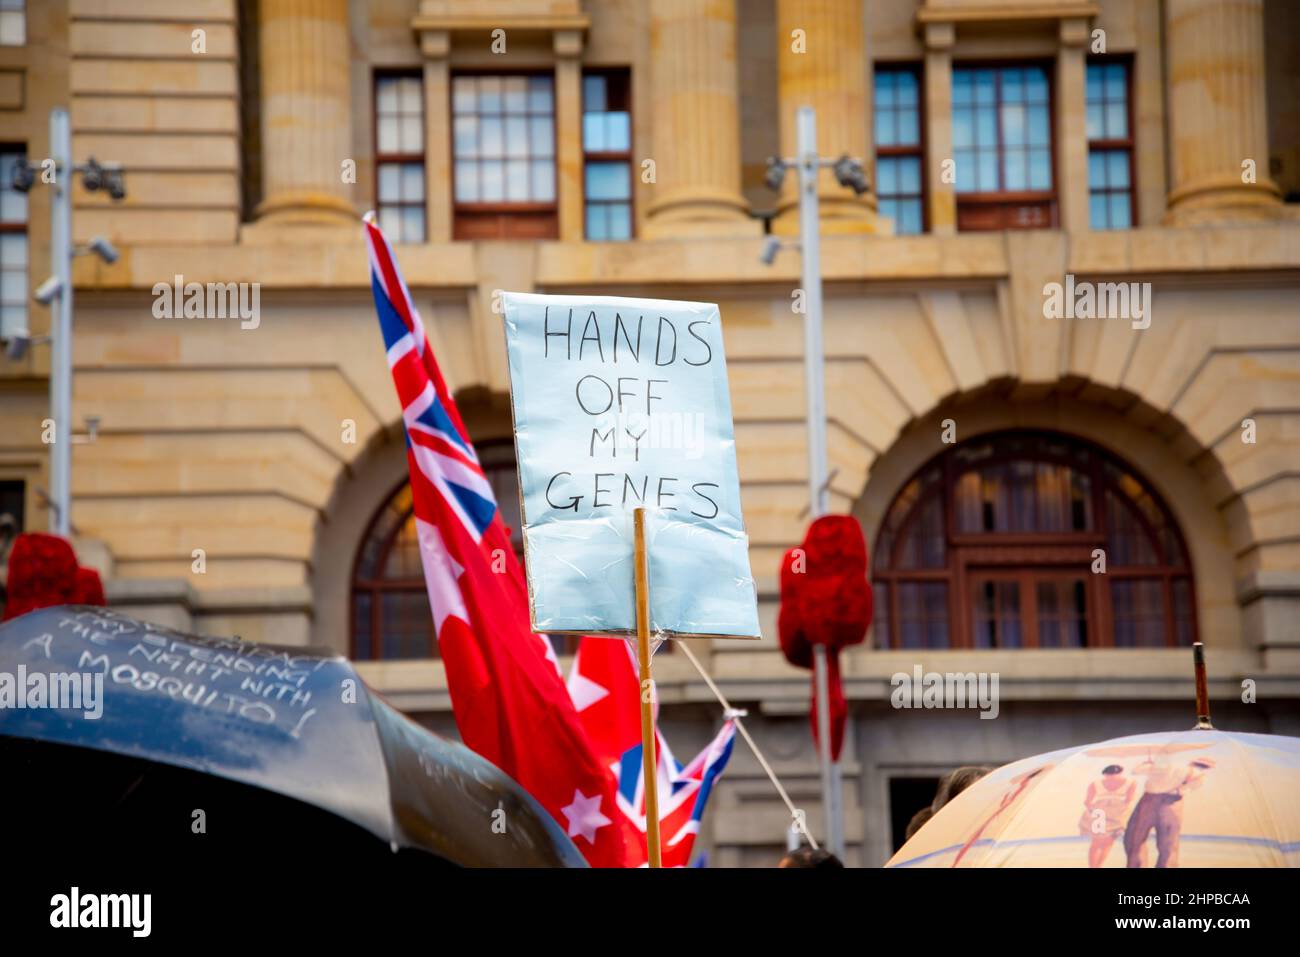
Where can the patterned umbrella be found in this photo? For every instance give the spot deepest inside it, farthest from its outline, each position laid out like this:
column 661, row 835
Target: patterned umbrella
column 1198, row 798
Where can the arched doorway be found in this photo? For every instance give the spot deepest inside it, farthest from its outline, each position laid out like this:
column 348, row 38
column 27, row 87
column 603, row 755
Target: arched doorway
column 390, row 616
column 998, row 542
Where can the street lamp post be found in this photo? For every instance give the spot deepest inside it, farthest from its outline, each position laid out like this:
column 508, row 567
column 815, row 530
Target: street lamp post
column 56, row 292
column 61, row 322
column 849, row 173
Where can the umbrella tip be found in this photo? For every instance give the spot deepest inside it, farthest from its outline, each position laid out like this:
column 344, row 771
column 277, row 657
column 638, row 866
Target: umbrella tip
column 1202, row 688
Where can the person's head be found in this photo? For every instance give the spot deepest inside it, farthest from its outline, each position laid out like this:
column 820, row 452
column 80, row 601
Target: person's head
column 953, row 783
column 1112, row 777
column 917, row 822
column 807, row 857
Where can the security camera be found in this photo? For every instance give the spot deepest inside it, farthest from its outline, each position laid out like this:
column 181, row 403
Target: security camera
column 16, row 345
column 92, row 177
column 775, row 174
column 116, row 187
column 105, row 250
column 849, row 172
column 48, row 291
column 23, row 177
column 771, row 246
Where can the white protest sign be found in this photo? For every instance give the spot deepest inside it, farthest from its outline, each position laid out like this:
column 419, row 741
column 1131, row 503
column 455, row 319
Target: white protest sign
column 620, row 404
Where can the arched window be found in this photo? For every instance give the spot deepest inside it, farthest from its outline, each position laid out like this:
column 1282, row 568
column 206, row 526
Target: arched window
column 999, row 542
column 390, row 604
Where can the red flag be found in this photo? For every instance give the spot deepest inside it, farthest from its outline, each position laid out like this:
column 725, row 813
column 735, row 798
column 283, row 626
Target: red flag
column 510, row 703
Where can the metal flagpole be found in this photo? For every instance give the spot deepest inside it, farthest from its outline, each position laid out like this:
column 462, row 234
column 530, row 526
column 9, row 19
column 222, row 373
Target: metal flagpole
column 61, row 339
column 810, row 245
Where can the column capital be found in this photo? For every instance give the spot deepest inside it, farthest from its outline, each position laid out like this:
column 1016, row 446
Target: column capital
column 567, row 44
column 435, row 44
column 940, row 35
column 1074, row 32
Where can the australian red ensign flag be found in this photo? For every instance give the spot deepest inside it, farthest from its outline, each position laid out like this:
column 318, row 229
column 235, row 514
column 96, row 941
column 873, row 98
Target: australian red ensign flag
column 510, row 702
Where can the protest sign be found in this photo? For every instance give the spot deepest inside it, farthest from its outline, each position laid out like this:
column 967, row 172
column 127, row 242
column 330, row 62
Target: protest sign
column 622, row 404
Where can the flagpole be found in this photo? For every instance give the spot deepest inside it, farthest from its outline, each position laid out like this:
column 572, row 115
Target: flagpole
column 649, row 763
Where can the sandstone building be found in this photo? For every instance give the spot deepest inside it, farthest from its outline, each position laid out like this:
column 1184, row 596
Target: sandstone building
column 619, row 147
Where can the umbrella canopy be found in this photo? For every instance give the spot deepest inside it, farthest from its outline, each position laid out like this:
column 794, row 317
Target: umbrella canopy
column 1199, row 798
column 295, row 722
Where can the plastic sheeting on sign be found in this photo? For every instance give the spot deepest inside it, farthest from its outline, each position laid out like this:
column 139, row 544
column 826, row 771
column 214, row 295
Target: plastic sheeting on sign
column 620, row 404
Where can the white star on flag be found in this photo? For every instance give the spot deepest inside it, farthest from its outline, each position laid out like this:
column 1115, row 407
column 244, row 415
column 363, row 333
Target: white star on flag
column 584, row 691
column 584, row 816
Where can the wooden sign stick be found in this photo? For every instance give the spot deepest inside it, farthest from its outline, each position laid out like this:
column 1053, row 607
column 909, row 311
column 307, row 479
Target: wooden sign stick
column 650, row 764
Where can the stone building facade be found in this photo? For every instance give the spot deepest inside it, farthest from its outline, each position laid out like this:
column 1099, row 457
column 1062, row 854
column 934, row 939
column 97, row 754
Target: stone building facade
column 987, row 445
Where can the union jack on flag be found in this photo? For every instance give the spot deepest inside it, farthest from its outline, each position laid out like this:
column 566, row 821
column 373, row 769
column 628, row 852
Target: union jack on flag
column 434, row 430
column 683, row 792
column 606, row 691
column 511, row 704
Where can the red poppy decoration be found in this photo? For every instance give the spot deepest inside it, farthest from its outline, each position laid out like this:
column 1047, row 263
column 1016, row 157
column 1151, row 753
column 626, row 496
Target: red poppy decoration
column 794, row 643
column 43, row 572
column 826, row 600
column 90, row 590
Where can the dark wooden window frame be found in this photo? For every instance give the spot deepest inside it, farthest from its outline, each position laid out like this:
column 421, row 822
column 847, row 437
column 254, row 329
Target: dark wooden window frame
column 376, row 587
column 920, row 149
column 1129, row 143
column 610, row 156
column 973, row 556
column 1008, row 198
column 384, row 159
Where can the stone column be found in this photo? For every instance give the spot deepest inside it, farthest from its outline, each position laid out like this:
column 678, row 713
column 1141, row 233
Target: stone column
column 1071, row 124
column 568, row 123
column 1217, row 118
column 940, row 168
column 696, row 147
column 436, row 47
column 306, row 112
column 822, row 63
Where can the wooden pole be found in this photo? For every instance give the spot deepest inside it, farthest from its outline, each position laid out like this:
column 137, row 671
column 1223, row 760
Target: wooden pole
column 1202, row 688
column 650, row 764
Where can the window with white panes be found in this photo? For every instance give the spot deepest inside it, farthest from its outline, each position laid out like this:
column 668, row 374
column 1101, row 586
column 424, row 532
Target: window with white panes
column 503, row 144
column 1110, row 146
column 13, row 244
column 607, row 154
column 13, row 23
column 399, row 156
column 1002, row 145
column 899, row 183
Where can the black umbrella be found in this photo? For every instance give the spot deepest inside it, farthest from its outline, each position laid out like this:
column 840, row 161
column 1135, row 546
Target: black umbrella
column 151, row 757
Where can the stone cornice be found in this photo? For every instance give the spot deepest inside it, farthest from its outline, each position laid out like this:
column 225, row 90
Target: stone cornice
column 506, row 21
column 994, row 12
column 338, row 261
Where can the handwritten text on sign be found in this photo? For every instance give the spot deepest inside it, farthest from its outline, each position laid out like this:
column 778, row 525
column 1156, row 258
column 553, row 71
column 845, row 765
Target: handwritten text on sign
column 621, row 404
